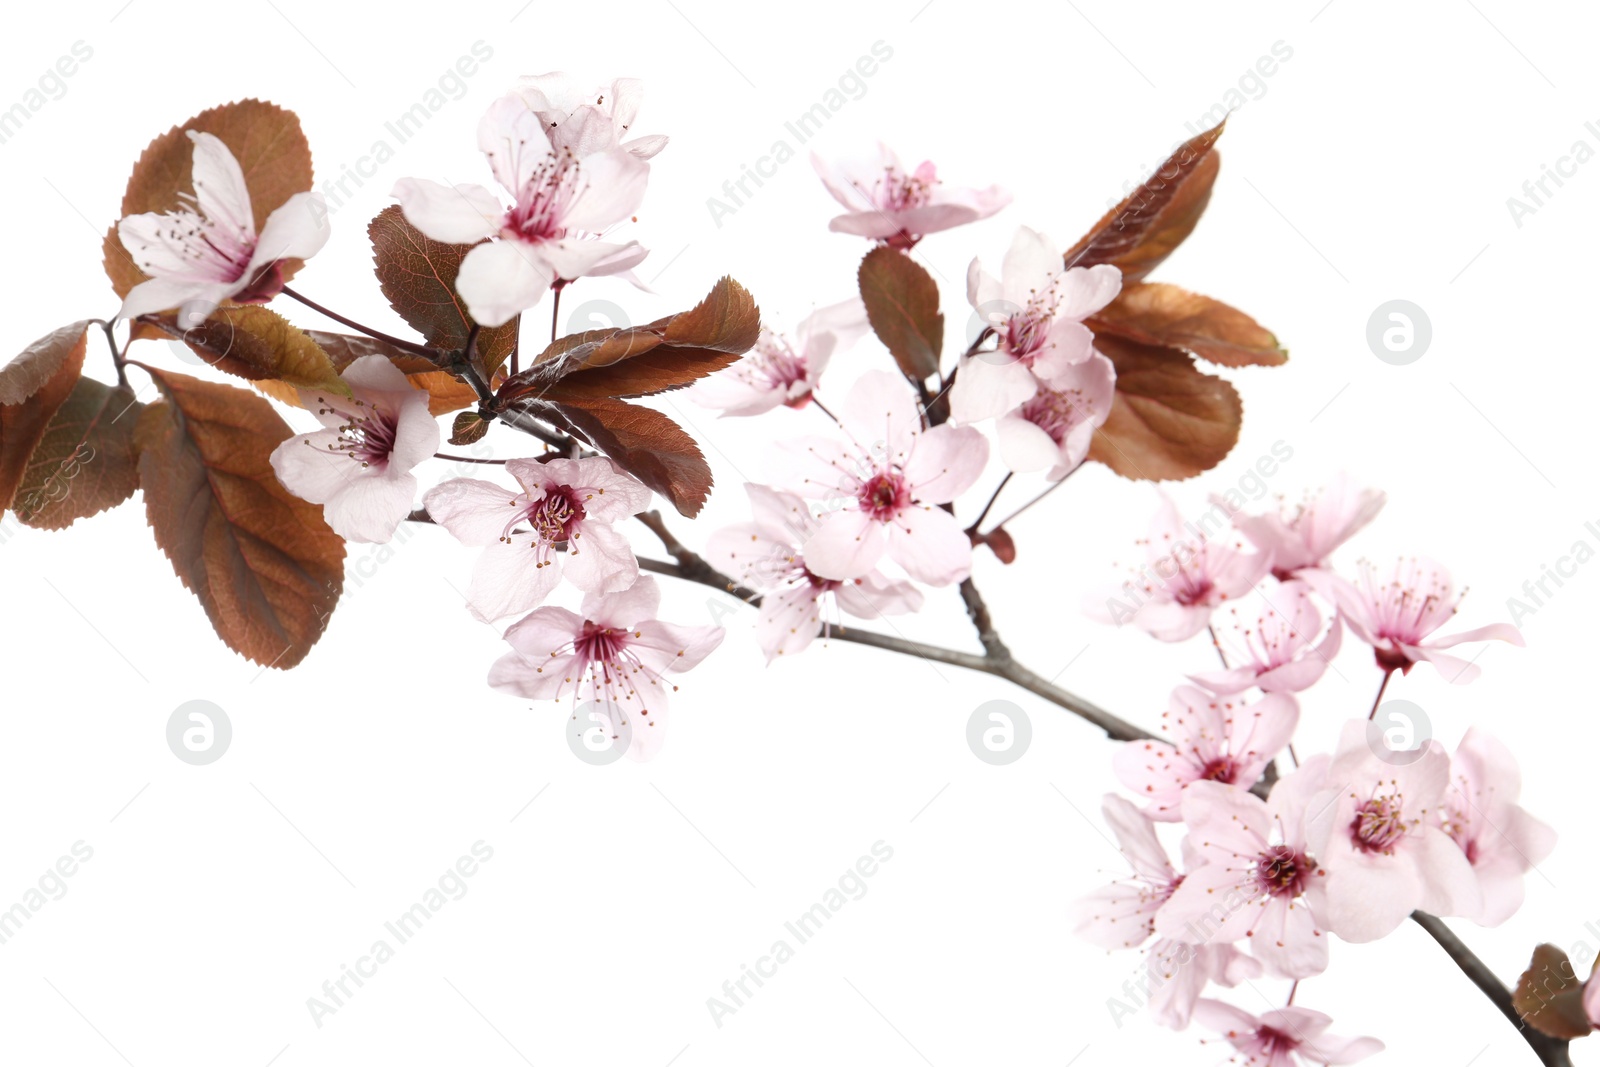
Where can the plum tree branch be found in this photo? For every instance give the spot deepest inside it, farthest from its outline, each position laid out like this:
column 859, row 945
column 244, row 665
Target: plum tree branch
column 997, row 660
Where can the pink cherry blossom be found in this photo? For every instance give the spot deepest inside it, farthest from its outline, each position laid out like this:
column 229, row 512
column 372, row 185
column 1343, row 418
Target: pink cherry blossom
column 1214, row 739
column 359, row 466
column 776, row 372
column 208, row 251
column 1122, row 915
column 1376, row 832
column 1179, row 973
column 613, row 651
column 795, row 601
column 561, row 507
column 886, row 484
column 1305, row 539
column 1257, row 876
column 562, row 204
column 1036, row 310
column 1283, row 1037
column 1501, row 841
column 588, row 120
column 1052, row 430
column 886, row 202
column 1276, row 646
column 1398, row 613
column 1186, row 577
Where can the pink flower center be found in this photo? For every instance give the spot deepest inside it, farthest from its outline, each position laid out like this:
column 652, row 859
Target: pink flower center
column 899, row 191
column 1057, row 413
column 1379, row 825
column 773, row 365
column 553, row 517
column 1222, row 769
column 600, row 644
column 1283, row 872
column 367, row 434
column 1411, row 604
column 884, row 496
column 546, row 199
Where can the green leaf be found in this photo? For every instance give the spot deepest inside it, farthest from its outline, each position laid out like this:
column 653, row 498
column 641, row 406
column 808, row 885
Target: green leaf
column 903, row 307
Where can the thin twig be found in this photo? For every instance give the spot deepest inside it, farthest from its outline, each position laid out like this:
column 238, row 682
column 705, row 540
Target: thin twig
column 408, row 346
column 1552, row 1051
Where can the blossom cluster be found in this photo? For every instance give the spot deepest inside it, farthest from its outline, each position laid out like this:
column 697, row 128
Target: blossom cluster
column 1282, row 851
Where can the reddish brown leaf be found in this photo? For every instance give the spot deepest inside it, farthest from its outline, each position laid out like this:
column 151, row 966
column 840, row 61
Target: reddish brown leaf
column 903, row 307
column 265, row 566
column 1168, row 419
column 32, row 387
column 264, row 138
column 1154, row 219
column 86, row 461
column 468, row 428
column 641, row 441
column 1549, row 995
column 257, row 344
column 1159, row 314
column 643, row 360
column 418, row 275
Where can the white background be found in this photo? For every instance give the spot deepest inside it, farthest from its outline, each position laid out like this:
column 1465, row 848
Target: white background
column 1374, row 164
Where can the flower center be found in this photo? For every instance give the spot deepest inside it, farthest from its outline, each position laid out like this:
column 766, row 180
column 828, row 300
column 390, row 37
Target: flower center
column 1057, row 413
column 554, row 517
column 1283, row 872
column 1222, row 769
column 546, row 199
column 773, row 364
column 899, row 191
column 366, row 435
column 600, row 644
column 1379, row 825
column 884, row 496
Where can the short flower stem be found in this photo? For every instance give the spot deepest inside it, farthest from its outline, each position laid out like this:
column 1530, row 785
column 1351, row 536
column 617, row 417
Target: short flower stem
column 1057, row 485
column 984, row 514
column 1387, row 674
column 469, row 459
column 406, row 346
